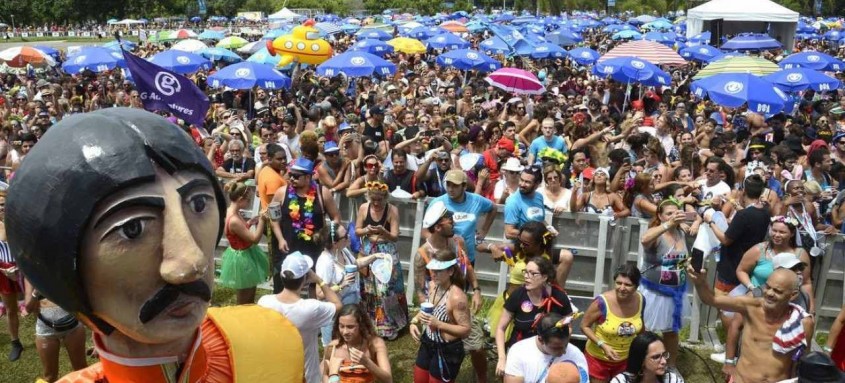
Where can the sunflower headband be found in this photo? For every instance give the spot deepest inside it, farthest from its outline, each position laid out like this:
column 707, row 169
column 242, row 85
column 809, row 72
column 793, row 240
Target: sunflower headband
column 786, row 220
column 376, row 186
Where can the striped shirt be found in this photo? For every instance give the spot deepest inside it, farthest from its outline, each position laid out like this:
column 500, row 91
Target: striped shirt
column 5, row 253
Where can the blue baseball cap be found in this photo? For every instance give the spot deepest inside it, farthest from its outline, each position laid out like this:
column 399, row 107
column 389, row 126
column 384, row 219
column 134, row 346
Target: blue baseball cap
column 330, row 147
column 718, row 117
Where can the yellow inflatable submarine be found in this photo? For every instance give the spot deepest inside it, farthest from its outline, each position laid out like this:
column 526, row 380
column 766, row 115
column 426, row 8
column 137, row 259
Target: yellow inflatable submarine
column 303, row 45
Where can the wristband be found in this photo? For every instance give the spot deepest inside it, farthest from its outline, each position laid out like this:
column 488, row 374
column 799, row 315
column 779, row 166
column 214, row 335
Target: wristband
column 730, row 362
column 336, row 288
column 600, row 343
column 322, row 284
column 476, row 288
column 334, row 378
column 488, row 246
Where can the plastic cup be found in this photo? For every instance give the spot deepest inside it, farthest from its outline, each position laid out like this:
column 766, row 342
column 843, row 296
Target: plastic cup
column 350, row 268
column 275, row 210
column 245, row 214
column 427, row 308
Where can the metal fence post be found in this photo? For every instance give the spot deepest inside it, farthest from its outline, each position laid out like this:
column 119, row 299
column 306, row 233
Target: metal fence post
column 598, row 286
column 418, row 218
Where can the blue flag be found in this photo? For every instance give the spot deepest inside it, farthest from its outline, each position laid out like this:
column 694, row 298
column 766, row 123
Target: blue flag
column 161, row 89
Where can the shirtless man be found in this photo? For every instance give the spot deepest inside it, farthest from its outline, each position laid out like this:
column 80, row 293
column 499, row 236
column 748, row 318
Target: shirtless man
column 761, row 361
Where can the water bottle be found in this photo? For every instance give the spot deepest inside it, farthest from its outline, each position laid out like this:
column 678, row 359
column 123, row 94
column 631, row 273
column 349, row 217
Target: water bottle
column 608, row 211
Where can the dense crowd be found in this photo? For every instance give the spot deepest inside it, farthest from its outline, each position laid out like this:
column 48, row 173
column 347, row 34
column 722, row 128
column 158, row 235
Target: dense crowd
column 761, row 192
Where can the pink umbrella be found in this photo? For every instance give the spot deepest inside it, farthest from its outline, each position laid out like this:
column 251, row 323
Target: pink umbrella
column 516, row 81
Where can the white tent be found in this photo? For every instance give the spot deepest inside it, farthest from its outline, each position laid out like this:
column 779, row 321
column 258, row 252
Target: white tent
column 128, row 22
column 762, row 16
column 285, row 14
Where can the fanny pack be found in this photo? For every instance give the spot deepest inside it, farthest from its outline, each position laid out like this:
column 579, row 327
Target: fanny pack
column 65, row 323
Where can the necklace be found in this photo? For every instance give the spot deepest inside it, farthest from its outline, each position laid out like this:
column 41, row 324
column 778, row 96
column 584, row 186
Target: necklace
column 436, row 301
column 303, row 223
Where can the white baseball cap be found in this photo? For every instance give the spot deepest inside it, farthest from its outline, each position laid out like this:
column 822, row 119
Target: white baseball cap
column 434, row 213
column 785, row 260
column 298, row 264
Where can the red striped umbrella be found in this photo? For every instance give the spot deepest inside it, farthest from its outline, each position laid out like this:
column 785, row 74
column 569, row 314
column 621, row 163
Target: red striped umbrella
column 653, row 52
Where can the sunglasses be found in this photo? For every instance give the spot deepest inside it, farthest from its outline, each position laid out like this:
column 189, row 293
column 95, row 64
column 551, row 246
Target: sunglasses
column 295, row 176
column 371, row 166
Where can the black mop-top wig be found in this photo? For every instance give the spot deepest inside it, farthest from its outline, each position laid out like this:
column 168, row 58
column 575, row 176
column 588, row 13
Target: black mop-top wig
column 78, row 163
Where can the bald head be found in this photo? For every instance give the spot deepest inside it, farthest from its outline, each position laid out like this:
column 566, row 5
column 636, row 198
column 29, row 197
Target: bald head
column 786, row 277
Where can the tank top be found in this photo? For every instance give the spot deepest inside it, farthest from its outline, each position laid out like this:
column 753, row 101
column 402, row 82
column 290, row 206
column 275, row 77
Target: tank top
column 5, row 253
column 616, row 332
column 353, row 373
column 369, row 221
column 441, row 315
column 318, row 218
column 236, row 242
column 764, row 266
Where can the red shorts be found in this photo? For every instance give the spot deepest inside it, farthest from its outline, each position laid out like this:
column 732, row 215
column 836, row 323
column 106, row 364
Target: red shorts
column 8, row 286
column 603, row 370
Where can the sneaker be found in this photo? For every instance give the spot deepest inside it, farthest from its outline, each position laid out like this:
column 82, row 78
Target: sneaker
column 15, row 352
column 718, row 357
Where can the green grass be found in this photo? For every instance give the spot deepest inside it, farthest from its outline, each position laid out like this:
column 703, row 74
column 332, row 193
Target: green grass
column 403, row 352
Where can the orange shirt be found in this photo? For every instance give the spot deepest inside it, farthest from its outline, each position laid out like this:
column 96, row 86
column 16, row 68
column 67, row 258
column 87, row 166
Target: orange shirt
column 224, row 351
column 269, row 180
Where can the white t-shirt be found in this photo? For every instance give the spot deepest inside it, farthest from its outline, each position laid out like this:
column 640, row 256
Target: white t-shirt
column 526, row 360
column 308, row 315
column 708, row 192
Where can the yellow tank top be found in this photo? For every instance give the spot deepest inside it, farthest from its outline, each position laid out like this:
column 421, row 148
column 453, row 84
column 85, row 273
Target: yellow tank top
column 616, row 332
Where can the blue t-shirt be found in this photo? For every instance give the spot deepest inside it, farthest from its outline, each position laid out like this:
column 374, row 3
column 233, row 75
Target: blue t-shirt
column 540, row 143
column 466, row 216
column 520, row 209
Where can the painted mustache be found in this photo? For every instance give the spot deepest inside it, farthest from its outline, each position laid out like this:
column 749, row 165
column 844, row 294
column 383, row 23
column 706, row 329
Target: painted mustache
column 169, row 294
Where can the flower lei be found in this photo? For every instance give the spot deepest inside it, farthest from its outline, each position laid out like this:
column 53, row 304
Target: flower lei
column 303, row 223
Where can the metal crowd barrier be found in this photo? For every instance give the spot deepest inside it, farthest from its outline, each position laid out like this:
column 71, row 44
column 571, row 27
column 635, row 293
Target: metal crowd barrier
column 600, row 245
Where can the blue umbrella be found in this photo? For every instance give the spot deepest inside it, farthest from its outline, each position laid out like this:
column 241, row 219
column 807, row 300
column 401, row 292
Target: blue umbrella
column 563, row 37
column 627, row 34
column 701, row 38
column 180, row 62
column 658, row 24
column 95, row 59
column 548, row 51
column 584, row 56
column 275, row 33
column 476, row 26
column 660, row 37
column 247, row 75
column 618, row 28
column 467, row 59
column 807, row 36
column 833, row 35
column 524, row 20
column 798, row 79
column 350, row 28
column 751, row 42
column 735, row 89
column 446, row 41
column 812, row 60
column 422, row 33
column 503, row 17
column 114, row 45
column 355, row 64
column 495, row 45
column 372, row 46
column 373, row 34
column 220, row 54
column 211, row 35
column 264, row 57
column 632, row 70
column 196, row 19
column 523, row 48
column 533, row 28
column 804, row 28
column 50, row 51
column 702, row 53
